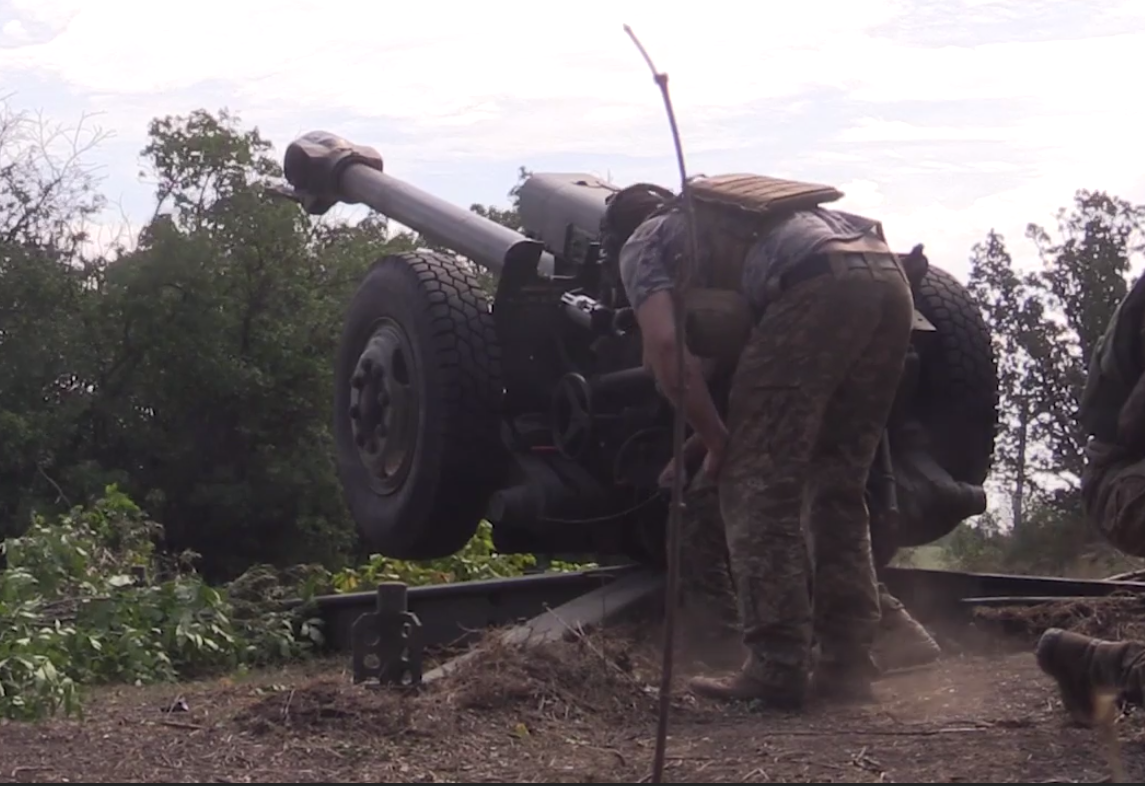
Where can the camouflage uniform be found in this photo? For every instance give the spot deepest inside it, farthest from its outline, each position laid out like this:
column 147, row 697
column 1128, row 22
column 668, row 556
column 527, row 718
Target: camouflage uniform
column 1113, row 490
column 1113, row 413
column 705, row 580
column 706, row 590
column 809, row 400
column 1085, row 667
column 808, row 405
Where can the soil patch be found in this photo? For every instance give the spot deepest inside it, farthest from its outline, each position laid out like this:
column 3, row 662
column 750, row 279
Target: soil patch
column 580, row 711
column 326, row 706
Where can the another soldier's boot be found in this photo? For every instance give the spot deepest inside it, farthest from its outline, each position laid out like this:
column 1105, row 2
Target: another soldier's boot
column 774, row 686
column 1085, row 667
column 902, row 642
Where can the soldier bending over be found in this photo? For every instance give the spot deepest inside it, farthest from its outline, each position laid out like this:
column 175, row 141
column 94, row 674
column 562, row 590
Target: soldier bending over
column 1112, row 413
column 830, row 322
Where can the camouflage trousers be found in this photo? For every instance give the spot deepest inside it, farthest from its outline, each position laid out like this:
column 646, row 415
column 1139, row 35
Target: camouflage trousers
column 1114, row 495
column 705, row 576
column 808, row 404
column 707, row 591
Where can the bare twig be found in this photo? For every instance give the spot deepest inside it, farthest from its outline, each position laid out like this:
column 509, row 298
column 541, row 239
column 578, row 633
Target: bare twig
column 48, row 194
column 60, row 495
column 673, row 580
column 286, row 709
column 182, row 725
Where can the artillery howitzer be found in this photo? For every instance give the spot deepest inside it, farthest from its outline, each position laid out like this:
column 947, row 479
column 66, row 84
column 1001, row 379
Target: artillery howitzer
column 531, row 408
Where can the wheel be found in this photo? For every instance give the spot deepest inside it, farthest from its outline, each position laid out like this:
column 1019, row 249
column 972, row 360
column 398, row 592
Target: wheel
column 416, row 407
column 957, row 409
column 958, row 379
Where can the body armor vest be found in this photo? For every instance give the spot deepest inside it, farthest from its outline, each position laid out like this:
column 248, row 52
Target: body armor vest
column 734, row 211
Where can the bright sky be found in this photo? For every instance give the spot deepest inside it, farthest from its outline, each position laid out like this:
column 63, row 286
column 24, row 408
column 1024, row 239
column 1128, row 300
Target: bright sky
column 943, row 118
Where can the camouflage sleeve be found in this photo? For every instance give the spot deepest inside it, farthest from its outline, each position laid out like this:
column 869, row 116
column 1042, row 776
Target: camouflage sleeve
column 1131, row 418
column 648, row 259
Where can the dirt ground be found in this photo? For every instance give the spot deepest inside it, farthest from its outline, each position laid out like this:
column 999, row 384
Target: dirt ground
column 577, row 712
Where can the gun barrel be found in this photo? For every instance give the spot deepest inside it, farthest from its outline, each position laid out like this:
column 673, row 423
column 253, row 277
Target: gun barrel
column 485, row 242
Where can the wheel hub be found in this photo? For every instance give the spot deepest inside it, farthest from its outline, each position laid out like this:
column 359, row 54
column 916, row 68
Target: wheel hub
column 385, row 406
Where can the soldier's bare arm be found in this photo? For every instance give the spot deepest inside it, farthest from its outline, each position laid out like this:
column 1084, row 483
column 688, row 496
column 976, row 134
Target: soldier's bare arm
column 658, row 328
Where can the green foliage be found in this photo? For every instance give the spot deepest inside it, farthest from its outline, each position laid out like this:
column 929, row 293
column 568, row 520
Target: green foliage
column 1046, row 322
column 978, row 545
column 193, row 368
column 1085, row 263
column 1054, row 540
column 476, row 561
column 88, row 599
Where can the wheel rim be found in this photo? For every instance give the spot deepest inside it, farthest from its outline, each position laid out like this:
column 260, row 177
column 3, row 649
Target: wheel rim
column 385, row 406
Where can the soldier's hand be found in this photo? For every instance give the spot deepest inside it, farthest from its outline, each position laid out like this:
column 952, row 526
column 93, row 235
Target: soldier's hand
column 713, row 463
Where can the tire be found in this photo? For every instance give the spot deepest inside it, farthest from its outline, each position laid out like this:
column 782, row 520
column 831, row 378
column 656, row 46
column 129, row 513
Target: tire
column 956, row 404
column 958, row 379
column 427, row 318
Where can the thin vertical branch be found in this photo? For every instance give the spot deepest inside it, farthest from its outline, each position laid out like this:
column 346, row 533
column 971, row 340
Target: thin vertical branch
column 672, row 589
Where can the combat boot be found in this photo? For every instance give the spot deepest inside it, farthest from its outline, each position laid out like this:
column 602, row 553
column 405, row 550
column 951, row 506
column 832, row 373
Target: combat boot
column 902, row 642
column 1085, row 667
column 773, row 686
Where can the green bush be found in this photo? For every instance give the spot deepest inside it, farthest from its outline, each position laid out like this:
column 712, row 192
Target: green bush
column 476, row 561
column 976, row 545
column 87, row 599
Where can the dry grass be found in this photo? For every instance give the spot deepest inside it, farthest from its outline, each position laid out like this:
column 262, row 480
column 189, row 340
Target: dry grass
column 1117, row 617
column 580, row 711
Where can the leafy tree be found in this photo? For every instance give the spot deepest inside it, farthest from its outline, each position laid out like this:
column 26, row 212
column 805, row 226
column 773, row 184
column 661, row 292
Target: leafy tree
column 1024, row 343
column 510, row 216
column 979, row 545
column 47, row 194
column 1086, row 262
column 193, row 369
column 47, row 197
column 225, row 321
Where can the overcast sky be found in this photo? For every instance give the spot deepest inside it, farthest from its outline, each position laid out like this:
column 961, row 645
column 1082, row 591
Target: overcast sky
column 943, row 118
